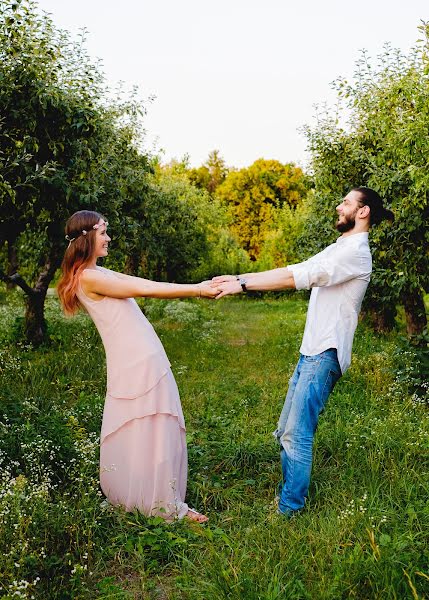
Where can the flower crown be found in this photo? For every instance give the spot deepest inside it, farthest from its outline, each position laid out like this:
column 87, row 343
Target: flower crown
column 84, row 232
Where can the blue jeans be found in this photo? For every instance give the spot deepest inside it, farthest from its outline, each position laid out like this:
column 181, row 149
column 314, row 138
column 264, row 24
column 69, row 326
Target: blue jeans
column 312, row 382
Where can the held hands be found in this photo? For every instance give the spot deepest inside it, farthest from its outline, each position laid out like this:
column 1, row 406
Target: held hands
column 222, row 285
column 207, row 290
column 226, row 285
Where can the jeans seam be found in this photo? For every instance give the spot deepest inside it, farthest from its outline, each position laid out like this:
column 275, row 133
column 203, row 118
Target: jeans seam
column 325, row 385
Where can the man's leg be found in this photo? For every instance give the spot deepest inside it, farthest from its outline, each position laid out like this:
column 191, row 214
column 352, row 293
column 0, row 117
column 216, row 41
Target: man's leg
column 284, row 416
column 317, row 376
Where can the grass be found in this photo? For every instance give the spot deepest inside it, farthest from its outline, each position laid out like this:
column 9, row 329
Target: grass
column 363, row 534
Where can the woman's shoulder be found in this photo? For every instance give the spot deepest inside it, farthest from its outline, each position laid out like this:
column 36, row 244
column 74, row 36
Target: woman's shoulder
column 89, row 278
column 108, row 272
column 91, row 274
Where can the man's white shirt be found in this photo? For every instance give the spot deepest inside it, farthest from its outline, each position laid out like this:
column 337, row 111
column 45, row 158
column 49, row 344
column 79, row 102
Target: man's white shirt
column 338, row 277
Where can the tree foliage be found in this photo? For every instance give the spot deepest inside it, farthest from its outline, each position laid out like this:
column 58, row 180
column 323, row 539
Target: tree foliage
column 211, row 174
column 284, row 242
column 254, row 194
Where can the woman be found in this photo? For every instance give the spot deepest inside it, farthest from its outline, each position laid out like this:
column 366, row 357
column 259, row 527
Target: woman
column 143, row 457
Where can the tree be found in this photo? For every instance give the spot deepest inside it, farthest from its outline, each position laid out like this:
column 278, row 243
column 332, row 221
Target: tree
column 211, row 174
column 384, row 146
column 61, row 148
column 282, row 244
column 254, row 194
column 173, row 241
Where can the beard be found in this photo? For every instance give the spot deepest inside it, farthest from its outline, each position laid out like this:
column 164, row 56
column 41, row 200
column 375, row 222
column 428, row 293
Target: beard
column 347, row 224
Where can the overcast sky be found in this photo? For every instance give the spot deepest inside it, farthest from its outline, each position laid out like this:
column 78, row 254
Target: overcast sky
column 240, row 76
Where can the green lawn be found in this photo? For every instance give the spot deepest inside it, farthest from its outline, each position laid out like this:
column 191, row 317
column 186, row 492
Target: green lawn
column 364, row 532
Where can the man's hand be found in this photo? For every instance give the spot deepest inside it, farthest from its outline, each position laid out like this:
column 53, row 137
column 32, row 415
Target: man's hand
column 224, row 278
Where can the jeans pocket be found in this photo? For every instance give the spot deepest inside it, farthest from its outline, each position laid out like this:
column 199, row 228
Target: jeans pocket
column 335, row 375
column 331, row 380
column 312, row 359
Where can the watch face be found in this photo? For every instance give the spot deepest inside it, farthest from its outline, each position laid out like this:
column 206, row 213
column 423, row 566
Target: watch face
column 243, row 284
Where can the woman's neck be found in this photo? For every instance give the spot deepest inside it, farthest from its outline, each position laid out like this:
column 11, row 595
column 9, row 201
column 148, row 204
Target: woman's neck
column 92, row 264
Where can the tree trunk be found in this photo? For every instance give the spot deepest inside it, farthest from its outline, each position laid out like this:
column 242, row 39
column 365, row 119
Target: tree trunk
column 12, row 261
column 132, row 264
column 159, row 271
column 381, row 318
column 415, row 312
column 35, row 324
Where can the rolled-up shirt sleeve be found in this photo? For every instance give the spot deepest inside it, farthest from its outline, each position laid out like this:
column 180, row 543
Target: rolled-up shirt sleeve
column 325, row 270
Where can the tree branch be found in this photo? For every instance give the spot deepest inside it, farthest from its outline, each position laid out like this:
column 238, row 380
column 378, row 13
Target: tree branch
column 16, row 279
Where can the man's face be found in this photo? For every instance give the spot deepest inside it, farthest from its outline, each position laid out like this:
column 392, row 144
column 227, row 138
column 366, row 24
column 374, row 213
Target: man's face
column 347, row 211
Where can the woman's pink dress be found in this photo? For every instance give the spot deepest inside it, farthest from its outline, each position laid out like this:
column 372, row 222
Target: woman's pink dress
column 143, row 457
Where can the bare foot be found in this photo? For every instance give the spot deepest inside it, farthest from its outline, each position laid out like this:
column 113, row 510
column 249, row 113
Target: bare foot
column 196, row 516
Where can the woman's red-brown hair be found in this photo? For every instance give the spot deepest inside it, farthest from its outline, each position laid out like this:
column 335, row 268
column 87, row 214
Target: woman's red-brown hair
column 77, row 256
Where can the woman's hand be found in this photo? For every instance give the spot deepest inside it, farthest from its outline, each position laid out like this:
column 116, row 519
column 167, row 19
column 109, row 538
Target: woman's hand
column 231, row 286
column 208, row 290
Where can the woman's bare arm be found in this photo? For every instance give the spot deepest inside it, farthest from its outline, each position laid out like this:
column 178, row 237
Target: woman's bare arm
column 126, row 286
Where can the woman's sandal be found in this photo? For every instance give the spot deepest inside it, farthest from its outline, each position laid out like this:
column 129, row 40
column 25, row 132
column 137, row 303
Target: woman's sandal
column 194, row 515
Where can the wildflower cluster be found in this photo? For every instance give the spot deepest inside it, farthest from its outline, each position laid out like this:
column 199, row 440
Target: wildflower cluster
column 353, row 508
column 10, row 362
column 22, row 588
column 391, row 425
column 23, row 509
column 45, row 464
column 412, row 370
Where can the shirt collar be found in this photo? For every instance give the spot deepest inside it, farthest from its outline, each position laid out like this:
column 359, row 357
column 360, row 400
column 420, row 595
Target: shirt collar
column 354, row 237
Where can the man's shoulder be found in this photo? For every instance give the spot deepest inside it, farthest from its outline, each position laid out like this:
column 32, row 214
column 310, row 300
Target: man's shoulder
column 355, row 243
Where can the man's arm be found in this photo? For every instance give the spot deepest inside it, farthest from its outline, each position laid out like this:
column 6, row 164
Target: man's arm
column 276, row 279
column 322, row 270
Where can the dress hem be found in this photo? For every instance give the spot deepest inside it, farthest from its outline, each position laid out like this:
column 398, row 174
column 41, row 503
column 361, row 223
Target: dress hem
column 151, row 414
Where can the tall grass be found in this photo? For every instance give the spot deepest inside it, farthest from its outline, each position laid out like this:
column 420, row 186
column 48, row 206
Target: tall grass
column 363, row 533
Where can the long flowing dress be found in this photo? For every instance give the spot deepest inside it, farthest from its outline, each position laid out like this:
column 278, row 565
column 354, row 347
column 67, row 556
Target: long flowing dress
column 143, row 456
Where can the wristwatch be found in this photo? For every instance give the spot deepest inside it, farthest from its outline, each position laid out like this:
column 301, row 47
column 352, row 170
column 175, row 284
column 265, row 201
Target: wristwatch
column 243, row 282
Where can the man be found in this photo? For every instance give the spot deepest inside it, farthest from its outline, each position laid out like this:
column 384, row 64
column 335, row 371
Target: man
column 338, row 276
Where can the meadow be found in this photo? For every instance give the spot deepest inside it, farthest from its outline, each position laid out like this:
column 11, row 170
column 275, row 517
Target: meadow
column 364, row 531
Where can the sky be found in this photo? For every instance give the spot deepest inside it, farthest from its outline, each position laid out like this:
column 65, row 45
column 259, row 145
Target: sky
column 239, row 76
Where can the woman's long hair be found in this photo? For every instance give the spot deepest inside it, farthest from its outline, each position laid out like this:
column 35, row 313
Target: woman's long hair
column 77, row 256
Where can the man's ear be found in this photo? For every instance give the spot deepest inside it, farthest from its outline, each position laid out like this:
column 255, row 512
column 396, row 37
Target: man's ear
column 364, row 211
